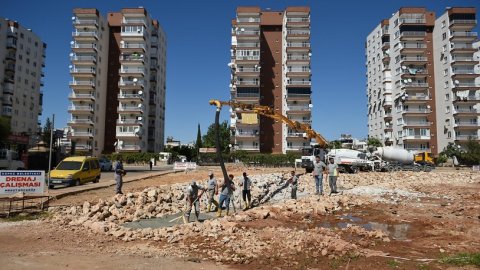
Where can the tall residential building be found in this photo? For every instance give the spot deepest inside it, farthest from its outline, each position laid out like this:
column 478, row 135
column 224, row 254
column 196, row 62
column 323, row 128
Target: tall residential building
column 22, row 55
column 416, row 67
column 270, row 64
column 458, row 94
column 118, row 82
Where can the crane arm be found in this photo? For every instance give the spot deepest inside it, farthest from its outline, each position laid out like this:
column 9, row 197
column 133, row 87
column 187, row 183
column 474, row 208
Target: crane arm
column 270, row 113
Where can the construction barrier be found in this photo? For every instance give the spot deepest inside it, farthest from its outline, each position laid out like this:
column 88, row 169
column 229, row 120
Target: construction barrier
column 184, row 166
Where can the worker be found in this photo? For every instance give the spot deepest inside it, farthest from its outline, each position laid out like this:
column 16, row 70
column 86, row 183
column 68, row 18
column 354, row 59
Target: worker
column 212, row 190
column 332, row 175
column 318, row 170
column 150, row 163
column 293, row 181
column 119, row 173
column 192, row 199
column 246, row 185
column 227, row 189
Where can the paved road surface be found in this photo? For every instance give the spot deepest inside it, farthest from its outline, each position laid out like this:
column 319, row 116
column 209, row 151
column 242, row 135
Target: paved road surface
column 108, row 179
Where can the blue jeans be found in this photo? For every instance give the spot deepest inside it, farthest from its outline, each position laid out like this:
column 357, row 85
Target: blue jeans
column 318, row 183
column 224, row 198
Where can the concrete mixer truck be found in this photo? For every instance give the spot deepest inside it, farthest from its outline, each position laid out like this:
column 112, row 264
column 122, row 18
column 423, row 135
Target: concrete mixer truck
column 398, row 159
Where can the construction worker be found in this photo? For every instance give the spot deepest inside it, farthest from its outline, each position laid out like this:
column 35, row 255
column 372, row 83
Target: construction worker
column 246, row 185
column 332, row 175
column 227, row 189
column 212, row 190
column 193, row 199
column 293, row 181
column 318, row 170
column 119, row 173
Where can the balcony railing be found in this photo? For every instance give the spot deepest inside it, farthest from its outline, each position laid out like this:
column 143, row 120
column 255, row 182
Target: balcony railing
column 132, row 46
column 248, row 32
column 465, row 84
column 464, row 71
column 84, row 46
column 295, row 148
column 248, row 57
column 298, row 57
column 83, row 58
column 85, row 21
column 248, row 69
column 129, row 121
column 80, row 108
column 133, row 70
column 293, row 82
column 247, row 95
column 463, row 21
column 468, row 98
column 82, row 70
column 298, row 44
column 463, row 58
column 247, row 148
column 130, row 96
column 82, row 83
column 466, row 137
column 127, row 134
column 299, row 108
column 415, row 85
column 130, row 147
column 411, row 110
column 86, row 96
column 83, row 147
column 466, row 124
column 298, row 32
column 131, row 57
column 81, row 134
column 131, row 20
column 462, row 46
column 417, row 97
column 85, row 34
column 308, row 122
column 411, row 20
column 247, row 82
column 464, row 34
column 248, row 44
column 248, row 19
column 81, row 121
column 131, row 83
column 419, row 58
column 298, row 69
column 295, row 134
column 301, row 19
column 417, row 123
column 246, row 134
column 413, row 34
column 464, row 110
column 130, row 108
column 414, row 46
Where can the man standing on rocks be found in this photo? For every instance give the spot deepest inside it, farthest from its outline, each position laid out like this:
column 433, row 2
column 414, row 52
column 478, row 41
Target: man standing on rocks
column 246, row 185
column 193, row 199
column 332, row 175
column 226, row 188
column 293, row 181
column 119, row 173
column 318, row 169
column 212, row 190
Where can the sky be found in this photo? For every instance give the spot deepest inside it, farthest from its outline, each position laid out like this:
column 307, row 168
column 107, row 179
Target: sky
column 198, row 51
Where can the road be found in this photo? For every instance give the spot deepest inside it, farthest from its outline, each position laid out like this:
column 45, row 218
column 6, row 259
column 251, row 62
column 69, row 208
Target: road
column 108, row 179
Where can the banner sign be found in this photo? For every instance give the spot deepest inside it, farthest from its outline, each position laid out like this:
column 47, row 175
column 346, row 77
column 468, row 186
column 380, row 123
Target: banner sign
column 207, row 150
column 12, row 182
column 184, row 166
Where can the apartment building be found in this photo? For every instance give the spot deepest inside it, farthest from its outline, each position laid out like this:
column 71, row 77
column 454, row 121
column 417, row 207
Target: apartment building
column 118, row 82
column 270, row 64
column 414, row 75
column 455, row 75
column 22, row 55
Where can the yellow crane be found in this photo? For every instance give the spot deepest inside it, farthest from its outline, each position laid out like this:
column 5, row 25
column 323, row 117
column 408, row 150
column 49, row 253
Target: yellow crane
column 270, row 113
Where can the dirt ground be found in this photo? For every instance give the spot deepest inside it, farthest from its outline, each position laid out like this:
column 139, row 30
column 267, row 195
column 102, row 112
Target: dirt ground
column 444, row 220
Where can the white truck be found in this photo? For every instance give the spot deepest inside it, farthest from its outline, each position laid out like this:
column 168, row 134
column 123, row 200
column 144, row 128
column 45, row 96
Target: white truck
column 397, row 159
column 9, row 160
column 350, row 161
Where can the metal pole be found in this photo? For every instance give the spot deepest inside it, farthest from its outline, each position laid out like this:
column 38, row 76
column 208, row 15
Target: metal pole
column 217, row 144
column 50, row 152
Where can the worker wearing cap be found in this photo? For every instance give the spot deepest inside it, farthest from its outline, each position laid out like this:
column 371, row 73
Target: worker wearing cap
column 227, row 188
column 318, row 169
column 293, row 181
column 212, row 190
column 246, row 185
column 193, row 199
column 332, row 175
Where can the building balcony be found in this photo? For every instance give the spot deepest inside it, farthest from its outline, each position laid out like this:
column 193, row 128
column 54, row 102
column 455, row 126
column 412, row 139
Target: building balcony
column 414, row 73
column 132, row 47
column 465, row 111
column 404, row 20
column 464, row 74
column 132, row 97
column 463, row 23
column 416, row 124
column 93, row 35
column 467, row 99
column 247, row 82
column 413, row 60
column 298, row 97
column 129, row 122
column 302, row 121
column 416, row 138
column 80, row 135
column 130, row 135
column 133, row 85
column 298, row 58
column 413, row 48
column 134, row 21
column 11, row 57
column 132, row 58
column 246, row 71
column 415, row 111
column 414, row 85
column 81, row 97
column 295, row 148
column 466, row 36
column 83, row 72
column 8, row 88
column 82, row 84
column 247, row 45
column 84, row 47
column 83, row 59
column 251, row 134
column 82, row 23
column 416, row 99
column 464, row 60
column 74, row 109
column 129, row 148
column 130, row 109
column 247, row 58
column 465, row 86
column 298, row 32
column 413, row 35
column 247, row 98
column 80, row 123
column 247, row 148
column 298, row 46
column 247, row 34
column 462, row 48
column 300, row 83
column 248, row 21
column 387, row 116
column 133, row 35
column 466, row 137
column 298, row 108
column 133, row 71
column 83, row 147
column 11, row 45
column 466, row 125
column 292, row 135
column 7, row 110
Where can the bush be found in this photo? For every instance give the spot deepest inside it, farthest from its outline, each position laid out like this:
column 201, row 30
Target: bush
column 266, row 160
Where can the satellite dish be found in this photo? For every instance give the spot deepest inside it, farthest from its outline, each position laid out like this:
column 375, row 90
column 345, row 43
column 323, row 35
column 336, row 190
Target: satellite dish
column 122, row 42
column 409, row 80
column 72, row 42
column 136, row 130
column 405, row 81
column 71, row 54
column 139, row 118
column 428, row 106
column 310, row 105
column 456, row 82
column 309, row 54
column 135, row 80
column 242, row 29
column 74, row 18
column 404, row 67
column 115, row 143
column 70, row 66
column 140, row 92
column 406, row 95
column 121, row 143
column 139, row 105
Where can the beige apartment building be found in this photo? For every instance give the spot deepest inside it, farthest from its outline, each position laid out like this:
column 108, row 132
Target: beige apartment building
column 411, row 102
column 22, row 55
column 118, row 83
column 270, row 64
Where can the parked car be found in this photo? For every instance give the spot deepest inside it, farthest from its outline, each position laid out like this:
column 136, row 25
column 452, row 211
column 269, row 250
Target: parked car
column 105, row 164
column 74, row 171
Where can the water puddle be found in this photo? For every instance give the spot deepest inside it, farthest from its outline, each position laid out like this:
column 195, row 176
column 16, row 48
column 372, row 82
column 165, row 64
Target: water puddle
column 166, row 221
column 394, row 231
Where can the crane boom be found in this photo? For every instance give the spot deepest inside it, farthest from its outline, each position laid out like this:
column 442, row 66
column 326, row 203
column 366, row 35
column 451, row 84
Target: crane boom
column 270, row 113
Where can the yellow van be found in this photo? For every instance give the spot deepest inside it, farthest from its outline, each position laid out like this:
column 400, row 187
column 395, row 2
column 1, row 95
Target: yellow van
column 74, row 171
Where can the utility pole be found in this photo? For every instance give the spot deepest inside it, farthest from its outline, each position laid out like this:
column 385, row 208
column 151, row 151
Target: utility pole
column 50, row 152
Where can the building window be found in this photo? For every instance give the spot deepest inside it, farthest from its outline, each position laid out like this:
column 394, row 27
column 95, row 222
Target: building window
column 447, row 109
column 446, row 84
column 447, row 96
column 445, row 72
column 444, row 36
column 443, row 23
column 444, row 48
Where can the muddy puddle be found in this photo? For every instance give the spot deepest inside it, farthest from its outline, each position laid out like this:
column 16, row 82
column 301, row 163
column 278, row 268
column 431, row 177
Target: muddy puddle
column 397, row 231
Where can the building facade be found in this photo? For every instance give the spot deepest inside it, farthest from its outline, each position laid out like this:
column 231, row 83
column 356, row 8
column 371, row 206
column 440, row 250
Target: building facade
column 22, row 55
column 409, row 97
column 118, row 82
column 270, row 64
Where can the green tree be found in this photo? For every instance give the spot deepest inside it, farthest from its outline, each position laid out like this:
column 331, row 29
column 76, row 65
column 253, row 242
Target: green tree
column 374, row 142
column 4, row 128
column 451, row 150
column 472, row 154
column 334, row 145
column 46, row 131
column 198, row 143
column 209, row 138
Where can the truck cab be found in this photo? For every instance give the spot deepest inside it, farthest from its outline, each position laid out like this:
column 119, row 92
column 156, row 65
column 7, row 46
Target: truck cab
column 308, row 157
column 9, row 160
